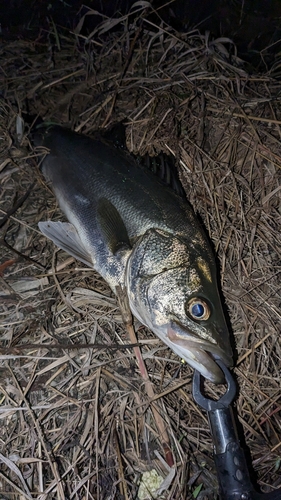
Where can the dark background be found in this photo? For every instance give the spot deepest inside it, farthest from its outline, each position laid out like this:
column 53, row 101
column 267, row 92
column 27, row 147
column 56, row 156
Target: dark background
column 254, row 25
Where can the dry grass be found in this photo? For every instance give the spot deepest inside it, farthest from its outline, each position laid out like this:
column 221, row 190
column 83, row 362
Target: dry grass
column 76, row 420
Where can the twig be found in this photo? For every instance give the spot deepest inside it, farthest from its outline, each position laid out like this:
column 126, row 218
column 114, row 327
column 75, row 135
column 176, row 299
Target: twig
column 128, row 322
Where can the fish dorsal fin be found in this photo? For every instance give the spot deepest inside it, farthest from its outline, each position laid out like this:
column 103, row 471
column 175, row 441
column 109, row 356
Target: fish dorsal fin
column 65, row 236
column 163, row 166
column 112, row 226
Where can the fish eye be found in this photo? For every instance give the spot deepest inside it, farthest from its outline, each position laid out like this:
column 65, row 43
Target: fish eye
column 198, row 309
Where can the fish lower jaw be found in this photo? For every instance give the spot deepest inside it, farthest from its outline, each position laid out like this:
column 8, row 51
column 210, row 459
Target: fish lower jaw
column 203, row 362
column 199, row 354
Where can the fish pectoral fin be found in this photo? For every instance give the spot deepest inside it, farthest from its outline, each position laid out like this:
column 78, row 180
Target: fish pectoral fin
column 112, row 226
column 65, row 236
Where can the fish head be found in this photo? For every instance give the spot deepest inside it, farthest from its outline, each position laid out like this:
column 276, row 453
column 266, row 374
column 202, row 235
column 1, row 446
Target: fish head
column 172, row 289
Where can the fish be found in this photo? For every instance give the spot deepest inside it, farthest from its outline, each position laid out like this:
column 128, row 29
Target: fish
column 139, row 234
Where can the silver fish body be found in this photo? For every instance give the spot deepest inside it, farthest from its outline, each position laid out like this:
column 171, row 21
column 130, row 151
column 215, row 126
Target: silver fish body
column 138, row 233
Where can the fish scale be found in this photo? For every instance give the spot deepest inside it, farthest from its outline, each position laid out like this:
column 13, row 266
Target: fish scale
column 137, row 232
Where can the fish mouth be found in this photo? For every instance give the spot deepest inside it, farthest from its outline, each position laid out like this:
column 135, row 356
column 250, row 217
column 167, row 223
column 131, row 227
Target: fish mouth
column 199, row 353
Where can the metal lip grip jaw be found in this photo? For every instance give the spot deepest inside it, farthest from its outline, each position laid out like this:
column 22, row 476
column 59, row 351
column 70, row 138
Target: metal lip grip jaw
column 231, row 466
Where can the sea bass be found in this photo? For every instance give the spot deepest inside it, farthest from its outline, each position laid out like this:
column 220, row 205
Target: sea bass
column 141, row 235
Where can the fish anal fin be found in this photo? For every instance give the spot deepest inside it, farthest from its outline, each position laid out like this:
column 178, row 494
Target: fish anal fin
column 65, row 236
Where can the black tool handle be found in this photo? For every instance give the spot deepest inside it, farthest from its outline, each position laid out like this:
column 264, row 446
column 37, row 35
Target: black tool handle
column 233, row 475
column 234, row 479
column 232, row 471
column 231, row 465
